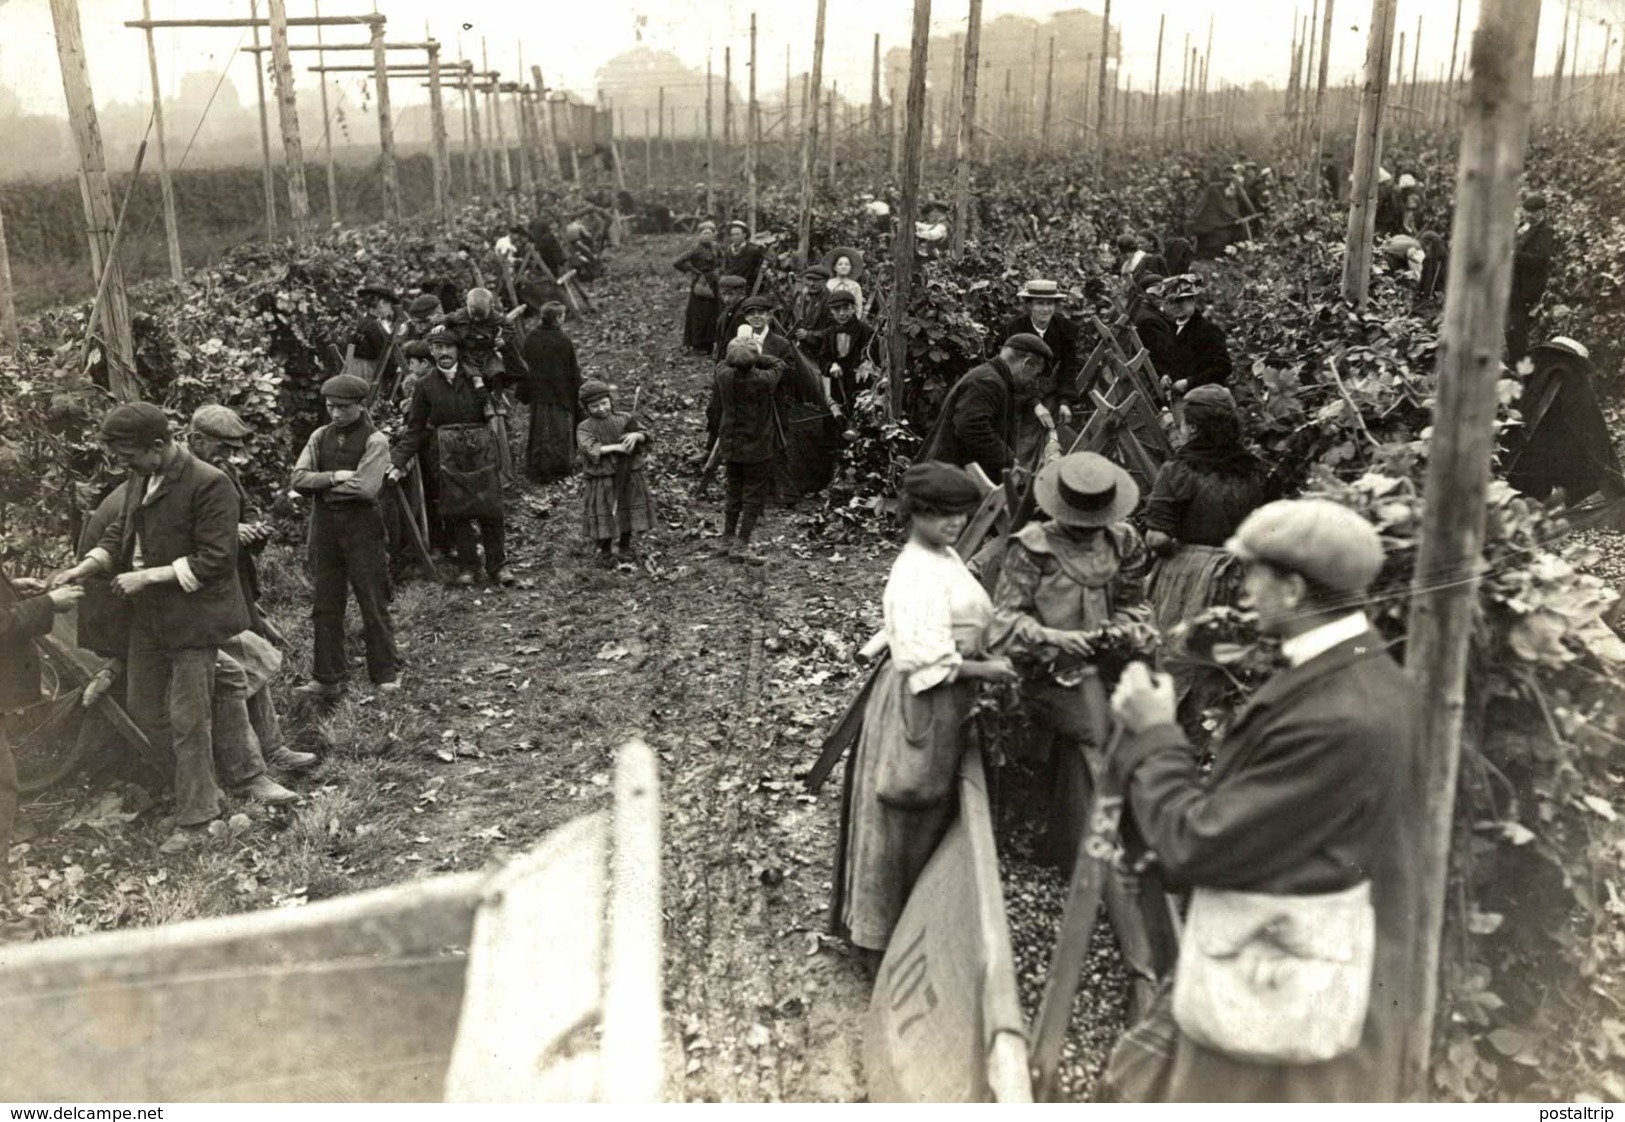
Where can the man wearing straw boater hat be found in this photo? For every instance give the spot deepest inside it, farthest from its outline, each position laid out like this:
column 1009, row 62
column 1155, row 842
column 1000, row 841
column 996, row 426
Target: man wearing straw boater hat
column 1068, row 587
column 1296, row 847
column 1041, row 316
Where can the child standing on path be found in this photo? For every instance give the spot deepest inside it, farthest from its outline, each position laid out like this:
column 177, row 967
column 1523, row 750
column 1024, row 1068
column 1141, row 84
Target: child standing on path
column 617, row 502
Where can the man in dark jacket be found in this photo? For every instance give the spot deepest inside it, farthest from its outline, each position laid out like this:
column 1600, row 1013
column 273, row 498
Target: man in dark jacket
column 1190, row 350
column 731, row 290
column 978, row 419
column 1531, row 270
column 739, row 422
column 1305, row 805
column 1057, row 388
column 24, row 613
column 173, row 551
column 453, row 396
column 809, row 311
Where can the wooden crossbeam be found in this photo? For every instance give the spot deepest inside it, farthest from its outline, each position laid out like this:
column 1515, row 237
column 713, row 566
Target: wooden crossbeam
column 431, row 45
column 295, row 21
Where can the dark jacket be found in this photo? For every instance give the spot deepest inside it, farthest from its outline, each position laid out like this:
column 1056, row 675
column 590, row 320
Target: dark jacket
column 436, row 402
column 728, row 321
column 1305, row 797
column 826, row 352
column 1059, row 382
column 978, row 422
column 20, row 620
column 548, row 248
column 700, row 261
column 1532, row 263
column 1197, row 355
column 740, row 412
column 555, row 373
column 746, row 262
column 193, row 515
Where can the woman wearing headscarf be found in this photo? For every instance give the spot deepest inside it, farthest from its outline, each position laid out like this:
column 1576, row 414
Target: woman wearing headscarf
column 702, row 266
column 1200, row 497
column 552, row 390
column 899, row 794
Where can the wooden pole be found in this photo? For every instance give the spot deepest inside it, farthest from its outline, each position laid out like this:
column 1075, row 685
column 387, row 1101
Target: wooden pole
column 437, row 126
column 648, row 152
column 829, row 127
column 1304, row 122
column 265, row 125
column 386, row 126
column 751, row 137
column 874, row 95
column 809, row 140
column 97, row 195
column 1368, row 154
column 9, row 335
column 710, row 143
column 1185, row 84
column 172, row 235
column 1100, row 116
column 913, row 146
column 287, row 115
column 1449, row 560
column 728, row 105
column 896, row 138
column 1049, row 92
column 482, row 150
column 964, row 138
column 327, row 127
column 1320, row 93
column 1416, row 66
column 1207, row 105
column 1399, row 73
column 1294, row 73
column 1562, row 59
column 1455, row 53
column 522, row 141
column 550, row 133
column 1156, row 86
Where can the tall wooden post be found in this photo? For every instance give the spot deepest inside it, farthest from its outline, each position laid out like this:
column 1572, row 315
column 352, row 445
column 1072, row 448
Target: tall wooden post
column 829, row 128
column 9, row 335
column 648, row 152
column 1207, row 106
column 265, row 124
column 728, row 105
column 1562, row 59
column 287, row 115
column 1416, row 66
column 522, row 142
column 1100, row 116
column 896, row 137
column 660, row 128
column 549, row 134
column 874, row 96
column 500, row 160
column 1156, row 84
column 97, row 195
column 710, row 143
column 965, row 137
column 908, row 204
column 171, row 233
column 327, row 128
column 386, row 124
column 1450, row 79
column 752, row 139
column 482, row 150
column 1189, row 60
column 1444, row 602
column 1049, row 91
column 1305, row 122
column 1320, row 94
column 1368, row 154
column 809, row 140
column 437, row 127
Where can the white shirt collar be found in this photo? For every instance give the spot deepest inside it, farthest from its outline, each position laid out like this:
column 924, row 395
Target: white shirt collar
column 1301, row 648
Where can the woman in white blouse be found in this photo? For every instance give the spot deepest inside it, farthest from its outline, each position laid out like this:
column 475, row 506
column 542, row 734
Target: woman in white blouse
column 846, row 265
column 900, row 781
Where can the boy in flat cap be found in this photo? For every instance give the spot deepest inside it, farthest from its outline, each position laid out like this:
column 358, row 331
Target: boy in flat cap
column 422, row 313
column 371, row 354
column 739, row 423
column 839, row 349
column 1298, row 833
column 343, row 465
column 732, row 290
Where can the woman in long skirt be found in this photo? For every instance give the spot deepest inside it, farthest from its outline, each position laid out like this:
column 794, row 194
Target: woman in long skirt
column 900, row 780
column 1200, row 496
column 552, row 390
column 701, row 265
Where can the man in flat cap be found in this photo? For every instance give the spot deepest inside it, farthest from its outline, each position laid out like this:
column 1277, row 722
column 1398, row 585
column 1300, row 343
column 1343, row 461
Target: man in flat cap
column 172, row 550
column 343, row 466
column 978, row 419
column 1297, row 838
column 1531, row 270
column 809, row 311
column 422, row 313
column 732, row 291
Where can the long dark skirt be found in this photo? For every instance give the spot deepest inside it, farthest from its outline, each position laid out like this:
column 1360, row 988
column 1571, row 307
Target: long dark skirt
column 700, row 322
column 1183, row 584
column 551, row 444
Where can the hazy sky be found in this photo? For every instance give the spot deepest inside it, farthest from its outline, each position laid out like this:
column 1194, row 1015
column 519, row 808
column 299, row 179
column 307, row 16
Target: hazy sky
column 1251, row 38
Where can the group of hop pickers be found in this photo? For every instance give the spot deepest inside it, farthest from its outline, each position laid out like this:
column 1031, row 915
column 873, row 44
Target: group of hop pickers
column 1288, row 855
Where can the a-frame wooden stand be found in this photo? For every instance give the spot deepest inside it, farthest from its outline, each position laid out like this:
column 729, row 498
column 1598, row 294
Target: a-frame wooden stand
column 1126, row 394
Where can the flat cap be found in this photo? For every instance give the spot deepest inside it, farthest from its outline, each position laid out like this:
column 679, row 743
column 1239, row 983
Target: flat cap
column 220, row 422
column 841, row 298
column 134, row 422
column 731, row 281
column 756, row 304
column 378, row 288
column 422, row 307
column 1181, row 286
column 933, row 485
column 442, row 335
column 592, row 389
column 1211, row 396
column 1029, row 343
column 346, row 387
column 417, row 348
column 821, row 272
column 1317, row 538
column 1535, row 202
